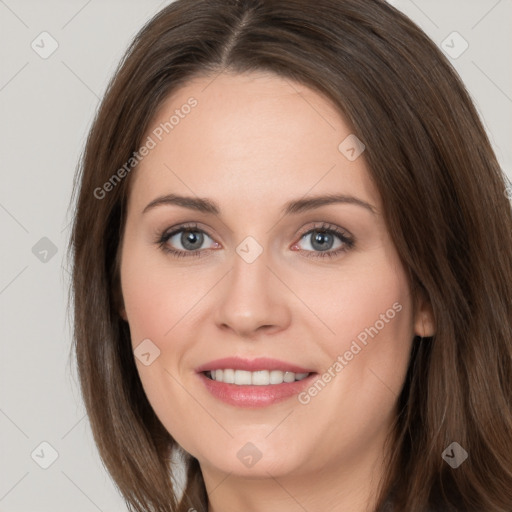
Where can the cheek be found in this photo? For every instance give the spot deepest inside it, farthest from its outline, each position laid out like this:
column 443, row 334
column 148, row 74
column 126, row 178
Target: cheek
column 155, row 296
column 363, row 298
column 158, row 302
column 369, row 309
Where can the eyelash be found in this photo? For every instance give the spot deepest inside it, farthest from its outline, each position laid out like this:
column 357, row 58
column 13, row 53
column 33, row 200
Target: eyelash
column 348, row 242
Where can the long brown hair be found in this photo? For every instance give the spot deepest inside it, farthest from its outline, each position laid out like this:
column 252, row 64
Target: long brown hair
column 445, row 207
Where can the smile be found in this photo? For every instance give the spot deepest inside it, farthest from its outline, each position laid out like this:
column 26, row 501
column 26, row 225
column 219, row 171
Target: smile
column 256, row 378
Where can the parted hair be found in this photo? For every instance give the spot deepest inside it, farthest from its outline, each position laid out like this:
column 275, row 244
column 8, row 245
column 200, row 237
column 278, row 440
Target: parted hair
column 445, row 206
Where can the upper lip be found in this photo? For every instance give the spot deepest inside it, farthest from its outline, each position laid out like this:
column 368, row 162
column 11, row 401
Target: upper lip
column 251, row 365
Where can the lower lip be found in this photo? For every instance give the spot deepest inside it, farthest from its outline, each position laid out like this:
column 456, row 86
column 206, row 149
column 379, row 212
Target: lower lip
column 254, row 396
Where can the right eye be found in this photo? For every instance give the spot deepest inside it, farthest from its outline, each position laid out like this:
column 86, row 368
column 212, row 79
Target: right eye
column 190, row 237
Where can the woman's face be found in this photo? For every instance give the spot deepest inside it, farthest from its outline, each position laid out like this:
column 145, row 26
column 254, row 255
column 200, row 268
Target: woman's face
column 252, row 279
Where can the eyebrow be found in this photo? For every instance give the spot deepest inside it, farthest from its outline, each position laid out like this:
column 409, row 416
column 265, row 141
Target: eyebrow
column 295, row 206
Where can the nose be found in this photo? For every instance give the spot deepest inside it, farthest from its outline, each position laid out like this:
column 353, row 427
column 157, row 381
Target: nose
column 252, row 299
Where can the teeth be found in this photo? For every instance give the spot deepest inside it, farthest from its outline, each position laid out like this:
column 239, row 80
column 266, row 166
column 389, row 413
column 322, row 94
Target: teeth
column 258, row 378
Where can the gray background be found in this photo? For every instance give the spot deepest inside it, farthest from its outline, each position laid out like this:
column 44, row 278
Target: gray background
column 47, row 105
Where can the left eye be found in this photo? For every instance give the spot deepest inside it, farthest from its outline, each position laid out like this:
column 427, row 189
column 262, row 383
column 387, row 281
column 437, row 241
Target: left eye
column 324, row 240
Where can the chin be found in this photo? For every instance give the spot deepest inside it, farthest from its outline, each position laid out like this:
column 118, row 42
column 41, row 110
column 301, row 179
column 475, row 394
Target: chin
column 252, row 459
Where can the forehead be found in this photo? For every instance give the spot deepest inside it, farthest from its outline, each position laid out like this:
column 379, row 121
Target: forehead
column 256, row 137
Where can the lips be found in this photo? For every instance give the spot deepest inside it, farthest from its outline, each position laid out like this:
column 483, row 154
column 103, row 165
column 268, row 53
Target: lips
column 229, row 380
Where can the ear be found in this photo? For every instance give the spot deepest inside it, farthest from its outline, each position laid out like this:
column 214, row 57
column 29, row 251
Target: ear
column 122, row 313
column 119, row 301
column 424, row 324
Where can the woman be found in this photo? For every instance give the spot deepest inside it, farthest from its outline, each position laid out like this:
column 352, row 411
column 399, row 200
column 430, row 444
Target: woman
column 292, row 265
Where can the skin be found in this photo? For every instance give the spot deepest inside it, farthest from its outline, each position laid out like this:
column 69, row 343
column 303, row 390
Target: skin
column 252, row 143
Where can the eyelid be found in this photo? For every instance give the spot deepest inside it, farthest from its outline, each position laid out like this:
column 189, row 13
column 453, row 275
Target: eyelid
column 185, row 226
column 324, row 226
